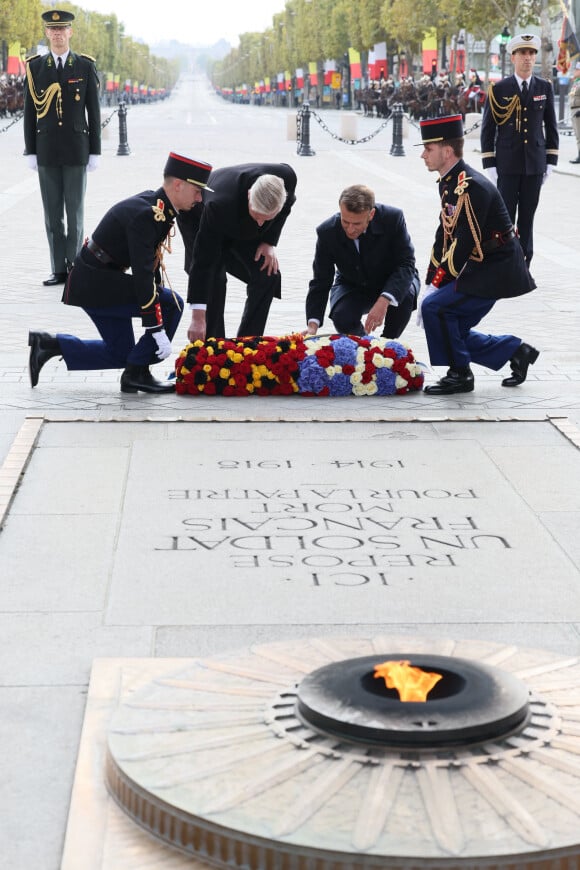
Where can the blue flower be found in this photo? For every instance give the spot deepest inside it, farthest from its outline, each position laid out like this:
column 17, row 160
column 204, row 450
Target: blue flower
column 340, row 385
column 344, row 351
column 399, row 349
column 312, row 378
column 386, row 379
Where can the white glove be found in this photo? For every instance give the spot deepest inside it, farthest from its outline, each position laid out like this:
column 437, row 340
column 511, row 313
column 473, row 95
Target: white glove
column 548, row 172
column 430, row 288
column 492, row 174
column 94, row 162
column 32, row 162
column 163, row 344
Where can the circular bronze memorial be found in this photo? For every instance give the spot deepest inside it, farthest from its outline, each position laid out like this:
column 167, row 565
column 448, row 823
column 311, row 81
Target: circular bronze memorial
column 292, row 755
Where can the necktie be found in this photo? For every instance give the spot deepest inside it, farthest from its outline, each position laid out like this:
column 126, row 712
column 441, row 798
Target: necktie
column 524, row 92
column 59, row 69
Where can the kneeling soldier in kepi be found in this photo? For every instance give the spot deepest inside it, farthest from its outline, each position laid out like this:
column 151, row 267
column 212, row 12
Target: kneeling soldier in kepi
column 476, row 259
column 133, row 234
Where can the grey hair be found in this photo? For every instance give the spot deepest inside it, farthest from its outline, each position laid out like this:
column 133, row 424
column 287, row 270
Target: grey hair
column 357, row 198
column 267, row 194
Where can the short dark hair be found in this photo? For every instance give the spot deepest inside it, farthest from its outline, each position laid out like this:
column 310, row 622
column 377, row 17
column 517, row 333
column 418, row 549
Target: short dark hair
column 357, row 198
column 456, row 145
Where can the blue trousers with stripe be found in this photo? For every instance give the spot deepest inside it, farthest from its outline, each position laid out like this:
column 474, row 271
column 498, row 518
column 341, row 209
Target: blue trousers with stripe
column 117, row 347
column 449, row 318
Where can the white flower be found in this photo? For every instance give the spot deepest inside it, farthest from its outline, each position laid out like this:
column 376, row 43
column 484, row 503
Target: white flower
column 378, row 361
column 356, row 378
column 400, row 383
column 388, row 364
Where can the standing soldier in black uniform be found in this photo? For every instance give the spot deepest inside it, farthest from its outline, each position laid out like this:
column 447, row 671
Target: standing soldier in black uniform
column 519, row 137
column 133, row 234
column 476, row 259
column 62, row 135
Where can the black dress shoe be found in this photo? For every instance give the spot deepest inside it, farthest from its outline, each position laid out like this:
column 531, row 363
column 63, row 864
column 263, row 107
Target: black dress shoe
column 42, row 348
column 136, row 378
column 454, row 382
column 577, row 160
column 525, row 356
column 55, row 278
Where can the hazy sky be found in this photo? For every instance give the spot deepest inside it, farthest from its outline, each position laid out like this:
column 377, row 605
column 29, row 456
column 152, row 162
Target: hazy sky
column 190, row 21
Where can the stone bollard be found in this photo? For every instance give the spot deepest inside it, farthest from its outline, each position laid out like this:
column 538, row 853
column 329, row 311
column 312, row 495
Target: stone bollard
column 291, row 126
column 303, row 131
column 123, row 148
column 397, row 149
column 348, row 125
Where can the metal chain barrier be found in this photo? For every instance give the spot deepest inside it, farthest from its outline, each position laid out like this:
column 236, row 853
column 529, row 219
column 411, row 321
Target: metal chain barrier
column 349, row 141
column 14, row 120
column 20, row 116
column 109, row 119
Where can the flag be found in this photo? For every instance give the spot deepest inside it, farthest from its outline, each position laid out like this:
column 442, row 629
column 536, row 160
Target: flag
column 569, row 48
column 13, row 62
column 354, row 61
column 313, row 72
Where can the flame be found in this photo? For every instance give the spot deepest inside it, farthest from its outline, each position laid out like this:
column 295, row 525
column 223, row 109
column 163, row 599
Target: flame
column 411, row 683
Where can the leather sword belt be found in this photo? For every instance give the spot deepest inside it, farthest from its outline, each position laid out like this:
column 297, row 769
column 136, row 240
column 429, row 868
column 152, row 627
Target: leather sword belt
column 498, row 240
column 100, row 254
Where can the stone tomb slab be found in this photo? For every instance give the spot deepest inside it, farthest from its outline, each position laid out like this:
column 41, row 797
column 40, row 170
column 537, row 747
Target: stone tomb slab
column 242, row 529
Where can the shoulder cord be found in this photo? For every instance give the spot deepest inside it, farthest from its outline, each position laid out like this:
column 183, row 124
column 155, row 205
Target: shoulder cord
column 501, row 114
column 42, row 104
column 449, row 222
column 162, row 248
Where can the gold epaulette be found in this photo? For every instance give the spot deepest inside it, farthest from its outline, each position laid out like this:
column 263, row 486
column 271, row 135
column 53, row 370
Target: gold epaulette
column 89, row 57
column 32, row 57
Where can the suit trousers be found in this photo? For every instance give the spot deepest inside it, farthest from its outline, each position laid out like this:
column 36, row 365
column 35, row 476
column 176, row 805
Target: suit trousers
column 117, row 347
column 347, row 312
column 260, row 290
column 449, row 318
column 521, row 194
column 63, row 190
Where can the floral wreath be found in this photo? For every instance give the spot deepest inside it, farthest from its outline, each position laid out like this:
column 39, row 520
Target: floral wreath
column 335, row 365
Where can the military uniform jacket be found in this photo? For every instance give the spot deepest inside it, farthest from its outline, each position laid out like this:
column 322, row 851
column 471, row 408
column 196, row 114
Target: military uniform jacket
column 518, row 138
column 472, row 244
column 62, row 124
column 130, row 234
column 224, row 220
column 386, row 262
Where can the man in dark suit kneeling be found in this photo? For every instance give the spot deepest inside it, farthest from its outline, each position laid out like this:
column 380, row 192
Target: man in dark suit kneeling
column 365, row 261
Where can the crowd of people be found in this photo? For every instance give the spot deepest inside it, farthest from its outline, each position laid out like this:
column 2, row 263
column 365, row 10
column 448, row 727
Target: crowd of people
column 231, row 219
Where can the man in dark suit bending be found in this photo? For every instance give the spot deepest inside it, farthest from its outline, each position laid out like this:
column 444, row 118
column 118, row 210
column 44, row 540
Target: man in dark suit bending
column 235, row 232
column 365, row 261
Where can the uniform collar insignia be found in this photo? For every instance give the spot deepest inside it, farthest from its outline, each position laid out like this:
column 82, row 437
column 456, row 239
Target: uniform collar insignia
column 463, row 180
column 159, row 210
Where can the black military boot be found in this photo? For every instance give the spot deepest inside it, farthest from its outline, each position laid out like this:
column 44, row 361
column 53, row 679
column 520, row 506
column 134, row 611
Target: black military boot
column 577, row 160
column 459, row 380
column 42, row 348
column 136, row 378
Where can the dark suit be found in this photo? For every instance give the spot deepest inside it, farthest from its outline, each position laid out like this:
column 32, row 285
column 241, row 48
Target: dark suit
column 220, row 237
column 384, row 263
column 520, row 137
column 129, row 235
column 62, row 126
column 475, row 262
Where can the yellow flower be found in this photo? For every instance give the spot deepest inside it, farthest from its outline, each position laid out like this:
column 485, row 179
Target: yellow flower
column 210, row 351
column 250, row 388
column 206, row 368
column 224, row 373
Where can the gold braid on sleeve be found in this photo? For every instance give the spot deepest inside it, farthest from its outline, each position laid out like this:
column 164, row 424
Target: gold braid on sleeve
column 42, row 104
column 501, row 114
